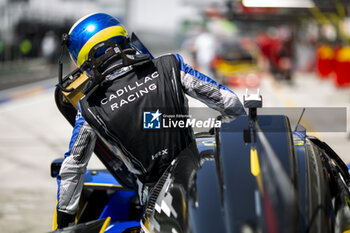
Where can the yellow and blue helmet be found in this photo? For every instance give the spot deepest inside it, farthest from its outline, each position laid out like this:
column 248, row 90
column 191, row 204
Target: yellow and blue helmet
column 91, row 30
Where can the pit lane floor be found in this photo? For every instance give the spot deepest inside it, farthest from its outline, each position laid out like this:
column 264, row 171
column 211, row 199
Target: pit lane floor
column 33, row 133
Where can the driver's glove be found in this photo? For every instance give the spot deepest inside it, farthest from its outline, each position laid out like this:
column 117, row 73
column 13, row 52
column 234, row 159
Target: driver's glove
column 64, row 219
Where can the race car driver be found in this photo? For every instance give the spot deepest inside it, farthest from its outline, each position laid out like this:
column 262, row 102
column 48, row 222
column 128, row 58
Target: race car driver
column 124, row 87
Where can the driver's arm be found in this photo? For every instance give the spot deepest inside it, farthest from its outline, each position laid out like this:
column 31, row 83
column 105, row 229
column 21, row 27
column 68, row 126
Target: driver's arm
column 71, row 177
column 213, row 94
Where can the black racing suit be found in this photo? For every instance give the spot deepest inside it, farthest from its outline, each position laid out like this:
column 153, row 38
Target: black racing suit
column 126, row 112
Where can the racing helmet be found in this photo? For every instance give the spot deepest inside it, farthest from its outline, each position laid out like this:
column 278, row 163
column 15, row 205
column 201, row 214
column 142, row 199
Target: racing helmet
column 91, row 30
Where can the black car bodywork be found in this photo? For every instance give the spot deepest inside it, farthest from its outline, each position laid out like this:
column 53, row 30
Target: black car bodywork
column 302, row 185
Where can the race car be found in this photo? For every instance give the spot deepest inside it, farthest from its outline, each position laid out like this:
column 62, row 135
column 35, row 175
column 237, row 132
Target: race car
column 254, row 174
column 235, row 66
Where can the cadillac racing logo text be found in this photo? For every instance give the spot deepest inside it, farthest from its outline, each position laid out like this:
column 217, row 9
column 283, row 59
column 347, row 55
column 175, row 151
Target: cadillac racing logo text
column 131, row 92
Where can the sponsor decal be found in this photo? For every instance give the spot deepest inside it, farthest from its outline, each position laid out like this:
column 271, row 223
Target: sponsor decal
column 160, row 154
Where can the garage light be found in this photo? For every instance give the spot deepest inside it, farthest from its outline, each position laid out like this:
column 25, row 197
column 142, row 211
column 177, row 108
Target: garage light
column 279, row 3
